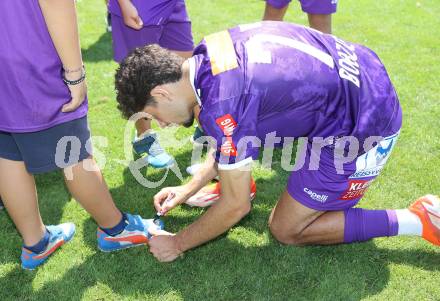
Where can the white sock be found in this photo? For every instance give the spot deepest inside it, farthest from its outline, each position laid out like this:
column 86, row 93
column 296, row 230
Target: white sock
column 409, row 223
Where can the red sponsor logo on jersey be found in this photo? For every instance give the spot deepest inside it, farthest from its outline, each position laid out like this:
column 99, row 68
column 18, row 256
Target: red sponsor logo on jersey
column 356, row 189
column 228, row 147
column 227, row 124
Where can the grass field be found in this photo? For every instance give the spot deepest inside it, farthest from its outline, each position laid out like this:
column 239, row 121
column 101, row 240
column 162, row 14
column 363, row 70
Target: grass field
column 247, row 263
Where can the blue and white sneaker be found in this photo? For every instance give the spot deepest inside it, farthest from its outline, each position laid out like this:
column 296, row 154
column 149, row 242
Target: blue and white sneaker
column 153, row 224
column 148, row 147
column 59, row 235
column 135, row 234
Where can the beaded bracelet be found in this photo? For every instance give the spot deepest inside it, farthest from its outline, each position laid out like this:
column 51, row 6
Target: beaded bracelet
column 74, row 82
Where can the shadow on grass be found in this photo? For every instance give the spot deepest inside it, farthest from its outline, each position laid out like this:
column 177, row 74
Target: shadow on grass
column 231, row 267
column 101, row 50
column 227, row 270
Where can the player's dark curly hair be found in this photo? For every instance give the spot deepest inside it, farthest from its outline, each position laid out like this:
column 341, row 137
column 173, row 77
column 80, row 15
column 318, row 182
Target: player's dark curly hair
column 142, row 70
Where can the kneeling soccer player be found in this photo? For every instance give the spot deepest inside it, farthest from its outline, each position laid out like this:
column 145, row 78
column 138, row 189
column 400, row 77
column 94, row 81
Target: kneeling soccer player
column 39, row 110
column 270, row 77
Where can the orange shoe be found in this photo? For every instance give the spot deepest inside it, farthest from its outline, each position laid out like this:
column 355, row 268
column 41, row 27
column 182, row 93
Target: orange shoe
column 211, row 193
column 427, row 208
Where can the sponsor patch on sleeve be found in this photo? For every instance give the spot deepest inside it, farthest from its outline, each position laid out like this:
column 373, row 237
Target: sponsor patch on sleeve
column 228, row 148
column 227, row 124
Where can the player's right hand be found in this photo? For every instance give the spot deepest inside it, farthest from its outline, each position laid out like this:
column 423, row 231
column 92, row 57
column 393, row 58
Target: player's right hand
column 170, row 197
column 130, row 15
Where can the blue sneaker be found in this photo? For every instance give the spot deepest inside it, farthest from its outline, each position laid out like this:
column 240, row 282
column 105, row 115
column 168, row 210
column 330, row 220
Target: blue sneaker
column 1, row 204
column 59, row 235
column 135, row 234
column 148, row 147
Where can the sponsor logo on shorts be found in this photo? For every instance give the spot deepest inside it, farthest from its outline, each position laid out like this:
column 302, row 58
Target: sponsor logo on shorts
column 356, row 189
column 372, row 162
column 317, row 197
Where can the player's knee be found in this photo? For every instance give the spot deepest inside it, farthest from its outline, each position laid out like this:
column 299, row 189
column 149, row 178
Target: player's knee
column 285, row 236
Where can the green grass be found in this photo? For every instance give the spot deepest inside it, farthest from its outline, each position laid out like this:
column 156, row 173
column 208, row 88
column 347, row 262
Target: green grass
column 247, row 263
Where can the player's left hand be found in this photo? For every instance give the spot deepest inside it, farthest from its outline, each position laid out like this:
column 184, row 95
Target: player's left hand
column 163, row 245
column 78, row 93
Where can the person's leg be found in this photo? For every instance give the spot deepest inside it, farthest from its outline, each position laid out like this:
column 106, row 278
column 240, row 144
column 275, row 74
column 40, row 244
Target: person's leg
column 293, row 223
column 319, row 13
column 143, row 125
column 19, row 195
column 88, row 187
column 317, row 207
column 323, row 23
column 275, row 10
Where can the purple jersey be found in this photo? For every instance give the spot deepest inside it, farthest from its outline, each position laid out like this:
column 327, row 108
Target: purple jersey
column 267, row 77
column 152, row 12
column 32, row 91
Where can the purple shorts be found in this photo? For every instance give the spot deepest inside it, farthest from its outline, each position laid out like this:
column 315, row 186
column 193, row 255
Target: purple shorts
column 319, row 7
column 174, row 34
column 329, row 186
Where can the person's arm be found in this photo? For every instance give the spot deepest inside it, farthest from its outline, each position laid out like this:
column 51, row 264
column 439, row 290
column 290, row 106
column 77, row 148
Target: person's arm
column 61, row 21
column 204, row 175
column 232, row 206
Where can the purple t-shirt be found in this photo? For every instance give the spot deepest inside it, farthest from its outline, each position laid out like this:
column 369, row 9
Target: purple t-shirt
column 267, row 77
column 32, row 91
column 152, row 12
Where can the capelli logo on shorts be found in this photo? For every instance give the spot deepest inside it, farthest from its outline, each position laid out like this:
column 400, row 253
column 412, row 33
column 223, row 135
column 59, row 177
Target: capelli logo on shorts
column 317, row 197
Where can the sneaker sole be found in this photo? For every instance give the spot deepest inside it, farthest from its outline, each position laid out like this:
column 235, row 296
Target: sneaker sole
column 120, row 249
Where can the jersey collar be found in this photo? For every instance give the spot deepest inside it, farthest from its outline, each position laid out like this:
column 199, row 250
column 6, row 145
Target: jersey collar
column 192, row 78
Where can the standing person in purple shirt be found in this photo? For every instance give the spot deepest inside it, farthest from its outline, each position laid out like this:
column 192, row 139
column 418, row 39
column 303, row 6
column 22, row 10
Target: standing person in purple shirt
column 138, row 23
column 43, row 125
column 260, row 81
column 319, row 12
